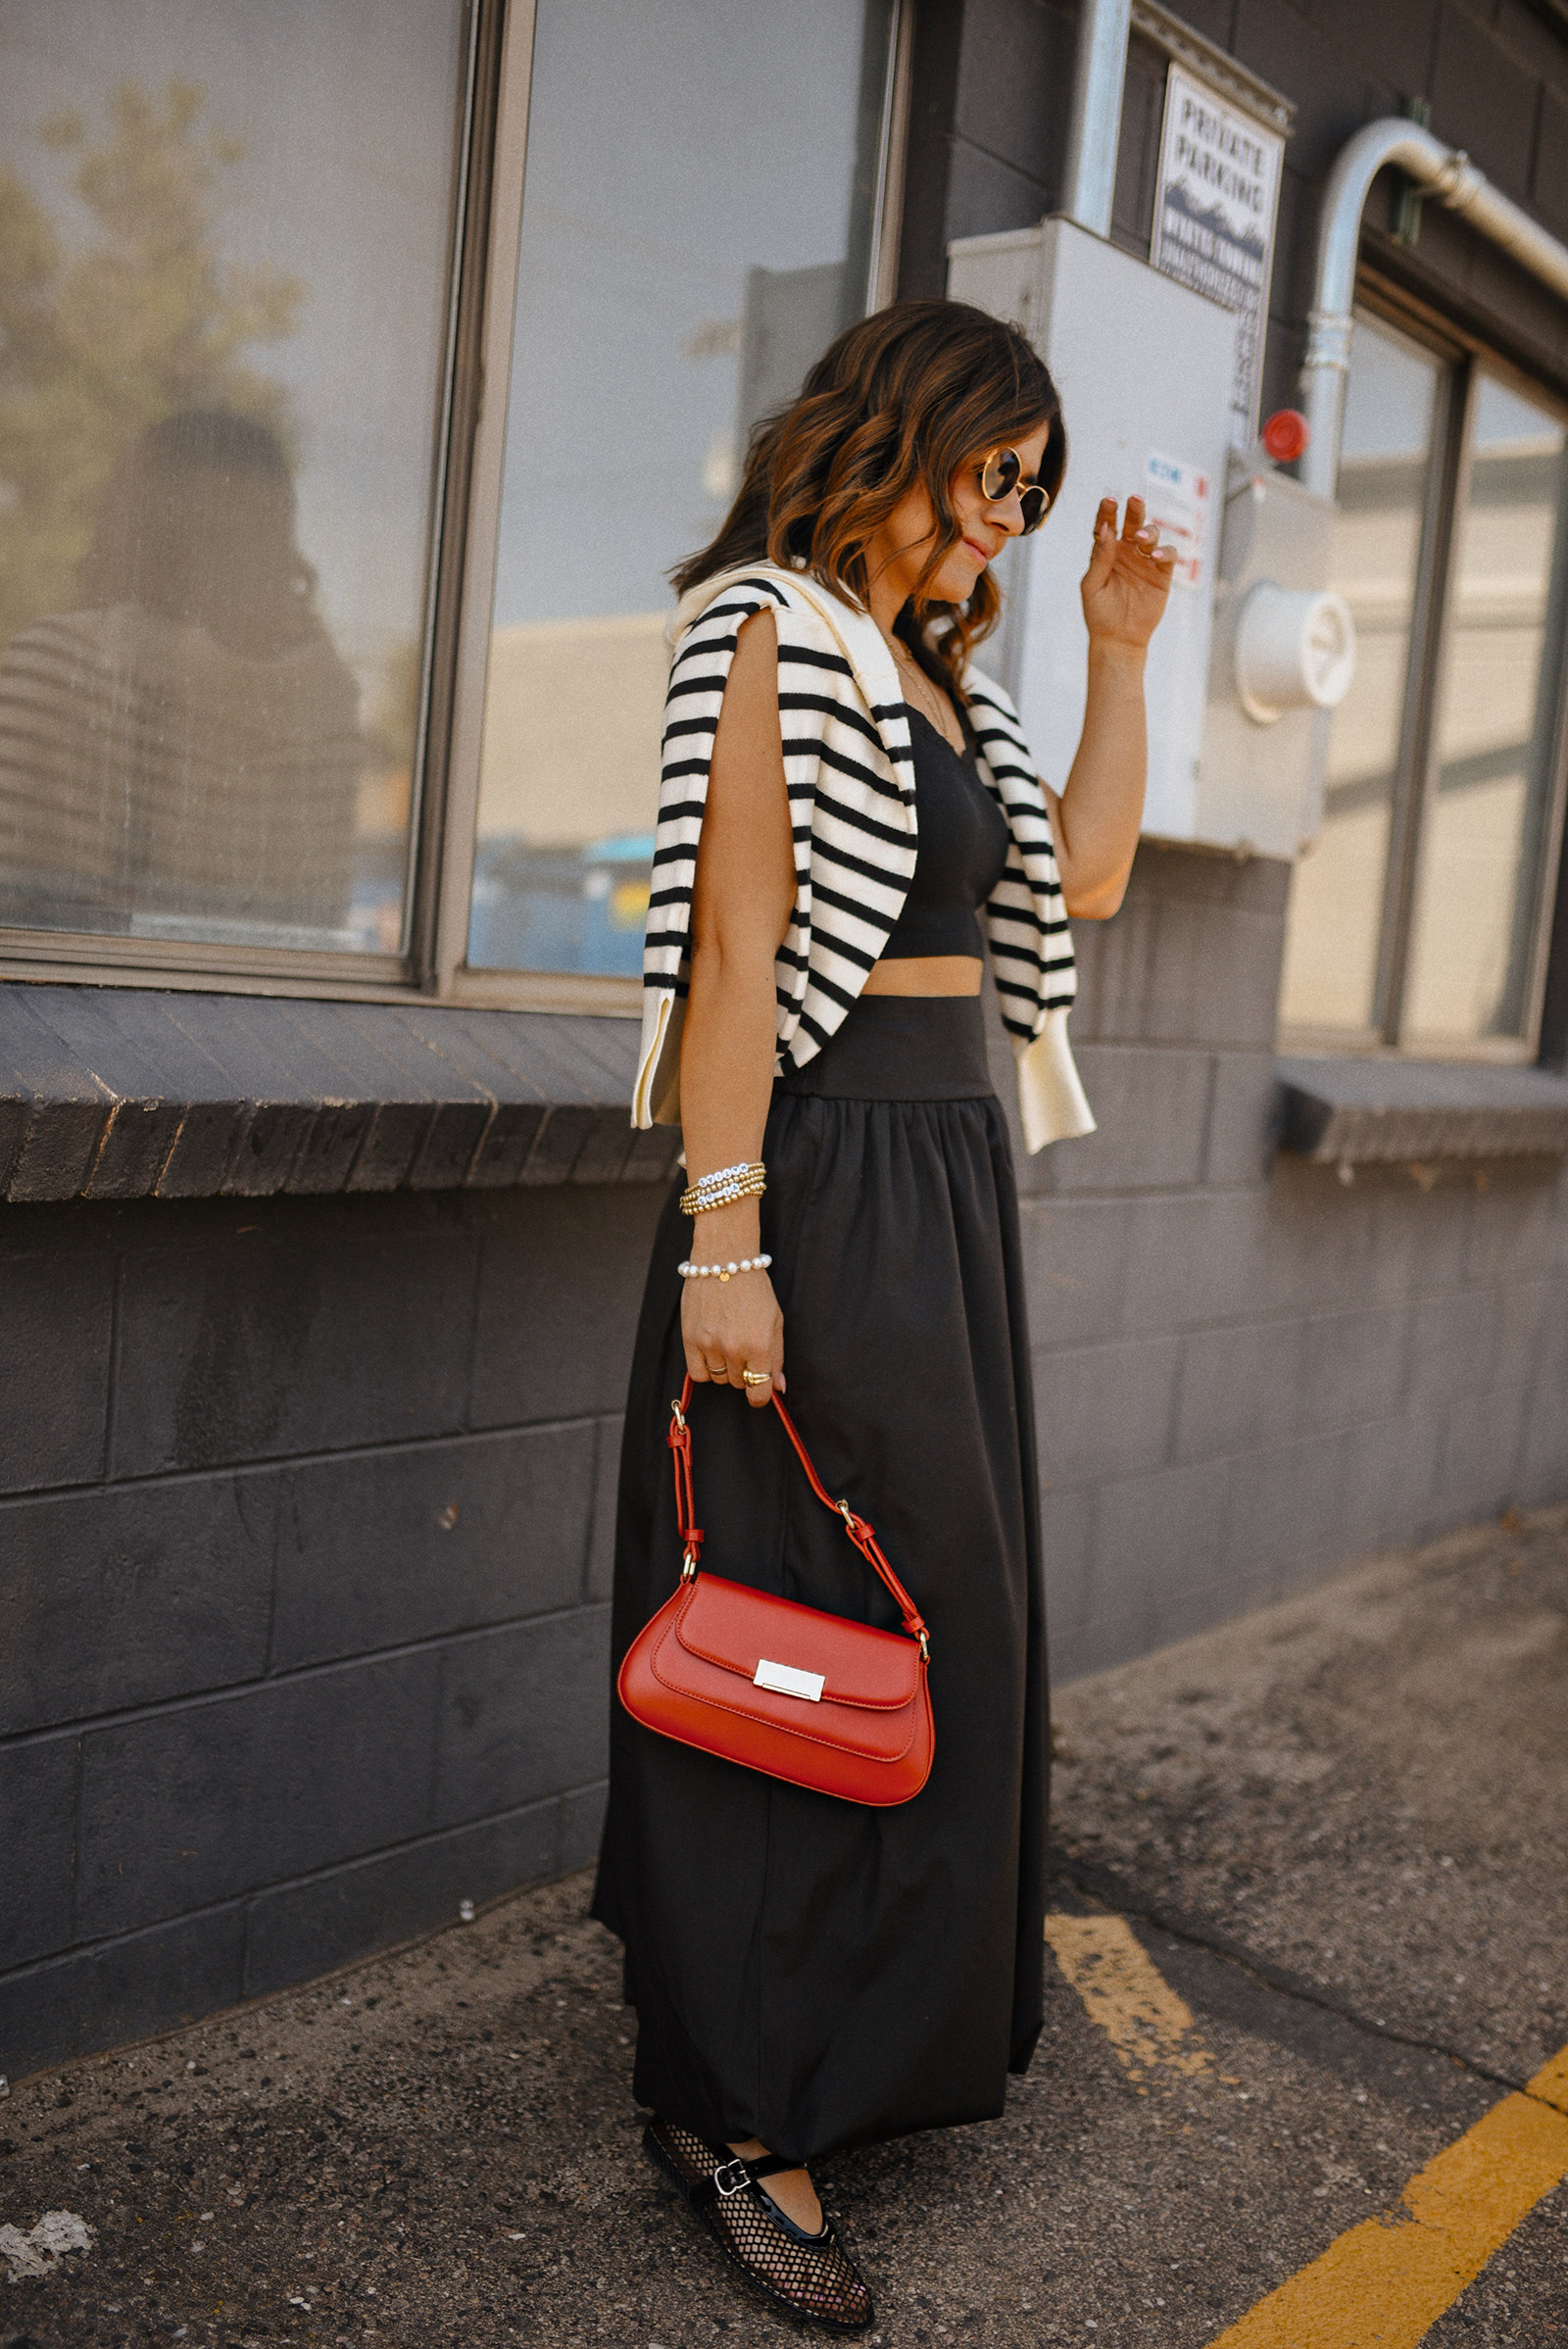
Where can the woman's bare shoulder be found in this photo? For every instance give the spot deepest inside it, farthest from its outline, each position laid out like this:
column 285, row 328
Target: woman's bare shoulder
column 753, row 683
column 756, row 640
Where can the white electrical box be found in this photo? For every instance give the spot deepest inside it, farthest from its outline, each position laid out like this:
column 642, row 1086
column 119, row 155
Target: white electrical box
column 1283, row 656
column 1145, row 368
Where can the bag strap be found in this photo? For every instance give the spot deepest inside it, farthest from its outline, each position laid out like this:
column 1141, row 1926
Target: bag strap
column 858, row 1529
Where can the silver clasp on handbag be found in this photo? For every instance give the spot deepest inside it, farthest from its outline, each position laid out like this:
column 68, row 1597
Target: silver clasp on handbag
column 789, row 1681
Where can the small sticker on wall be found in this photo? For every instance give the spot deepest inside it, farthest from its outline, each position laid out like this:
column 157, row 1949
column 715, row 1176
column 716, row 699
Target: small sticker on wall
column 1176, row 497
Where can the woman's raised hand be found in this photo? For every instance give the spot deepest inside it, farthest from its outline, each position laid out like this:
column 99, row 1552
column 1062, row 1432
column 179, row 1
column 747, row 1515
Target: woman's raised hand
column 1128, row 581
column 730, row 1327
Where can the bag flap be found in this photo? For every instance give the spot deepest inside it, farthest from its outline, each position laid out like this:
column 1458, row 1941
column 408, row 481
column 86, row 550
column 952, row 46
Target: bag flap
column 730, row 1625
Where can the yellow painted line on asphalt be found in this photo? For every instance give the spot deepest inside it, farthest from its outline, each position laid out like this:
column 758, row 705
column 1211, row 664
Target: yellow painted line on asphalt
column 1385, row 2283
column 1127, row 1995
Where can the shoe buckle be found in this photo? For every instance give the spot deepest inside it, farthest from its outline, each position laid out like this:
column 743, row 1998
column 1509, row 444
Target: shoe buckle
column 731, row 2177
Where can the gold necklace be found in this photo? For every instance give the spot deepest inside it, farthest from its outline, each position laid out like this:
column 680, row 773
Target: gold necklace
column 928, row 701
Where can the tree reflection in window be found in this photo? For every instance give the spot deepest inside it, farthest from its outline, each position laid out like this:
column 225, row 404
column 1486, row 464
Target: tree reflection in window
column 225, row 241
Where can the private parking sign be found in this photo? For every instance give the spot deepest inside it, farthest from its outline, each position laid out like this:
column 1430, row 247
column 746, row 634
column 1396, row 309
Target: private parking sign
column 1218, row 193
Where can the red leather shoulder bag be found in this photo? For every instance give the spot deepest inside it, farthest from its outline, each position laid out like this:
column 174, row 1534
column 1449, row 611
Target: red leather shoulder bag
column 813, row 1699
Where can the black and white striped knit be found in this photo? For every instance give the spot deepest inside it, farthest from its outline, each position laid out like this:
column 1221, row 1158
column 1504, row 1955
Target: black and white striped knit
column 850, row 773
column 148, row 771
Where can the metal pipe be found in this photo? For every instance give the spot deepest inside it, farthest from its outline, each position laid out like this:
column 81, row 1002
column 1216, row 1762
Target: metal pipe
column 1450, row 175
column 1095, row 129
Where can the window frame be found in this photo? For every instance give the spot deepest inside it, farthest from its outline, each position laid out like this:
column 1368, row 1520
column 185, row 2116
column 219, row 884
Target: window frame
column 453, row 978
column 1466, row 360
column 468, row 456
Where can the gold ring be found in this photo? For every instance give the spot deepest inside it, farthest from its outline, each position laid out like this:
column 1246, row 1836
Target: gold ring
column 756, row 1378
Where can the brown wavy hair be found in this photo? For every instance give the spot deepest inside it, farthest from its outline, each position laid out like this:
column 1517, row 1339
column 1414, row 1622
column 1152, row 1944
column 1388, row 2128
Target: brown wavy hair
column 901, row 397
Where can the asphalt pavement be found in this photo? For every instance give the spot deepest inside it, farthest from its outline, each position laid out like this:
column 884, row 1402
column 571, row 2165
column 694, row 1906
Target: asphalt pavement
column 1307, row 1950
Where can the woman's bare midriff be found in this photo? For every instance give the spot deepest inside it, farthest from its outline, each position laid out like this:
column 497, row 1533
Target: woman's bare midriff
column 925, row 974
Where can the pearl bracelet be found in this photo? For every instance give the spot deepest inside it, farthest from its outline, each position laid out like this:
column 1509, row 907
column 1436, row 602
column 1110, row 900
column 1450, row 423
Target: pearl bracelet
column 696, row 1272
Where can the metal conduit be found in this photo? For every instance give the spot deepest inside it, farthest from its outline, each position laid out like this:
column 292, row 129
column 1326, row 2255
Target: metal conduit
column 1448, row 173
column 1095, row 129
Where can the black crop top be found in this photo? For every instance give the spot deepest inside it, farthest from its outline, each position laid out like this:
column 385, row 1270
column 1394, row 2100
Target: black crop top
column 964, row 840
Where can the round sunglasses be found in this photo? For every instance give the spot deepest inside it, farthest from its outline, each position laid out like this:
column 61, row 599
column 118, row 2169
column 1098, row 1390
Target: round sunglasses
column 1000, row 474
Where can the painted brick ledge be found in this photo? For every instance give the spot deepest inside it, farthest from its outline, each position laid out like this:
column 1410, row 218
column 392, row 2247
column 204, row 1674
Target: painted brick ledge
column 1350, row 1111
column 129, row 1092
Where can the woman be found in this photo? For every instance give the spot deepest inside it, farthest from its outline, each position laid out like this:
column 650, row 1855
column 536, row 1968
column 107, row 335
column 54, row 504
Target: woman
column 184, row 746
column 843, row 796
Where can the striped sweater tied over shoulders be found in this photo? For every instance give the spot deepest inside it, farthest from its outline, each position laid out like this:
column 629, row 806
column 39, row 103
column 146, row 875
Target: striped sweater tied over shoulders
column 850, row 771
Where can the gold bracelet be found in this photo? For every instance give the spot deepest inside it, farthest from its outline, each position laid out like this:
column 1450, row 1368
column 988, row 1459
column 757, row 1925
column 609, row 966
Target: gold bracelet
column 697, row 1202
column 724, row 1186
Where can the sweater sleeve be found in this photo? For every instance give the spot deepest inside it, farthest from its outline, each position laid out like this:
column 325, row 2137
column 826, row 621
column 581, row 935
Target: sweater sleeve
column 1028, row 930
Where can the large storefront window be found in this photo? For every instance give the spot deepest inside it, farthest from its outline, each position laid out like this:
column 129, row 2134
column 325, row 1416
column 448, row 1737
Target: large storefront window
column 1337, row 901
column 226, row 232
column 1417, row 918
column 1477, row 884
column 699, row 219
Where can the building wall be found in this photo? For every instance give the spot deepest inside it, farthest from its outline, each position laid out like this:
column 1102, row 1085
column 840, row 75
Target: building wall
column 305, row 1556
column 267, row 1702
column 1247, row 1370
column 1496, row 77
column 988, row 137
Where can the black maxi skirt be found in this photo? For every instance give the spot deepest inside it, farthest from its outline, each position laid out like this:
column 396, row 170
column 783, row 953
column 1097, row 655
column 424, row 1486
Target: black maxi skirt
column 808, row 1971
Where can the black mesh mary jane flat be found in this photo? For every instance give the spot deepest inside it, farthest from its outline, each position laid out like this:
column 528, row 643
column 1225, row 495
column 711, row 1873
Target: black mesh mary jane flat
column 811, row 2275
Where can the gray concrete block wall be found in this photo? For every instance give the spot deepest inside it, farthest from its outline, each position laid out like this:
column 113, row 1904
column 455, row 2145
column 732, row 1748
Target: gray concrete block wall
column 1247, row 1371
column 307, row 1519
column 988, row 124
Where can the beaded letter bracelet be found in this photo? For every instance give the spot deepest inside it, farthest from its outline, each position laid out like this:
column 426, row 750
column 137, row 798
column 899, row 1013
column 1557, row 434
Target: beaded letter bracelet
column 696, row 1272
column 723, row 1187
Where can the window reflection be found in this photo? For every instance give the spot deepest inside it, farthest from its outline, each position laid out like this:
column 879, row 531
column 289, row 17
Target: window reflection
column 225, row 232
column 179, row 755
column 697, row 226
column 1338, row 892
column 1479, row 877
